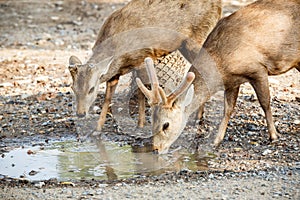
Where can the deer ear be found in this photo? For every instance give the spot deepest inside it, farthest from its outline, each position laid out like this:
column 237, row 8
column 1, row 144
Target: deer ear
column 73, row 63
column 73, row 71
column 73, row 60
column 187, row 97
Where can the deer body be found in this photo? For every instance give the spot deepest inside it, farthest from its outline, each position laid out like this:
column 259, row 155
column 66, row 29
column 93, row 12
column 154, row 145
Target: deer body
column 143, row 28
column 258, row 40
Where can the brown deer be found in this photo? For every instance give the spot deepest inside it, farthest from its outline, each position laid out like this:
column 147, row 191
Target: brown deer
column 142, row 28
column 258, row 40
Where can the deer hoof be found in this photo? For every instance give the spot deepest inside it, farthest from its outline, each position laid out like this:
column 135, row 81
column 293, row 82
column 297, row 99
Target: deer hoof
column 96, row 133
column 99, row 128
column 274, row 137
column 217, row 143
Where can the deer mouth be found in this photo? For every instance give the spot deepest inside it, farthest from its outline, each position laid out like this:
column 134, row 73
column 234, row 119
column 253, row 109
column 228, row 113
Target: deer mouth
column 160, row 150
column 155, row 151
column 81, row 115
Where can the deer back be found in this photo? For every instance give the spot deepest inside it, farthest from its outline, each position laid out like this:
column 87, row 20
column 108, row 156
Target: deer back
column 153, row 28
column 262, row 37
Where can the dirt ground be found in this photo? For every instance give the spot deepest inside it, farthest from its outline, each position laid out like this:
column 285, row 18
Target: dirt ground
column 38, row 37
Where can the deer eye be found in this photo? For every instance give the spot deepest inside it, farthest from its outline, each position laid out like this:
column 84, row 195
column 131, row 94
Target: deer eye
column 92, row 90
column 165, row 126
column 174, row 104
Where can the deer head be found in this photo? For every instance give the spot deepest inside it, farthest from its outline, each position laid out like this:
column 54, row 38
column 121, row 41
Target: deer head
column 86, row 80
column 168, row 111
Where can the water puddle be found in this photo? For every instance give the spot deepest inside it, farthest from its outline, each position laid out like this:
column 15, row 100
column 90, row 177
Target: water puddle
column 71, row 160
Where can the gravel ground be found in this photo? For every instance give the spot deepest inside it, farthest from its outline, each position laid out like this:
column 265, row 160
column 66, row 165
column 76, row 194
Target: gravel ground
column 36, row 104
column 276, row 184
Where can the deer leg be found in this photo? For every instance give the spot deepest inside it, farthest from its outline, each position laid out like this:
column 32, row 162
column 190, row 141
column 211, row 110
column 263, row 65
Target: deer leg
column 261, row 87
column 110, row 90
column 231, row 95
column 199, row 114
column 142, row 108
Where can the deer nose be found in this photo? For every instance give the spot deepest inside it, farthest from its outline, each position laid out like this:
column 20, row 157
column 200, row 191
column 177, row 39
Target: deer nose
column 155, row 151
column 81, row 115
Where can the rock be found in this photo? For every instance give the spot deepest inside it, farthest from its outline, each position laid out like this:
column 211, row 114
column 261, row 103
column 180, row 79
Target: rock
column 102, row 185
column 59, row 42
column 252, row 127
column 67, row 183
column 32, row 173
column 39, row 184
column 54, row 18
column 30, row 152
column 297, row 122
column 211, row 176
column 100, row 192
column 88, row 193
column 77, row 23
column 96, row 108
column 59, row 3
column 7, row 84
column 115, row 188
column 237, row 149
column 266, row 152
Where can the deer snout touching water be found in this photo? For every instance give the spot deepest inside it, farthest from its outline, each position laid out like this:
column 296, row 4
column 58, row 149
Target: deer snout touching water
column 142, row 28
column 256, row 41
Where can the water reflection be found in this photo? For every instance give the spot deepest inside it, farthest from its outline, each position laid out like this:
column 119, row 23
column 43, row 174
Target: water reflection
column 72, row 160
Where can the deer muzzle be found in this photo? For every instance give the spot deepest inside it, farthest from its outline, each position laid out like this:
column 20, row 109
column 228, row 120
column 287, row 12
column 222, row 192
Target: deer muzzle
column 81, row 110
column 81, row 115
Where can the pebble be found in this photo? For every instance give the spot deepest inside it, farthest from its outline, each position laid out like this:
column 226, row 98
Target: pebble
column 102, row 185
column 46, row 123
column 54, row 18
column 78, row 23
column 266, row 152
column 115, row 187
column 211, row 176
column 88, row 193
column 32, row 173
column 100, row 192
column 59, row 42
column 59, row 3
column 252, row 127
column 237, row 149
column 6, row 84
column 96, row 108
column 39, row 184
column 297, row 122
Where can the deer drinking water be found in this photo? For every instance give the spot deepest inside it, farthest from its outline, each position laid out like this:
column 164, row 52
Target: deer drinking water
column 143, row 28
column 258, row 40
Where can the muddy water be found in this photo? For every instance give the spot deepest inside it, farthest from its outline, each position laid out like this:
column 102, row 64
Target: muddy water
column 72, row 160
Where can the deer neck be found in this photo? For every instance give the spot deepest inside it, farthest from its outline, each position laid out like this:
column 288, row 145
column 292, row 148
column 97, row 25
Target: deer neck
column 208, row 80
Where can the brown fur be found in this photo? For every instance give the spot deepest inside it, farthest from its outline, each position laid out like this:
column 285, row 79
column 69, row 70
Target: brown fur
column 258, row 40
column 190, row 23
